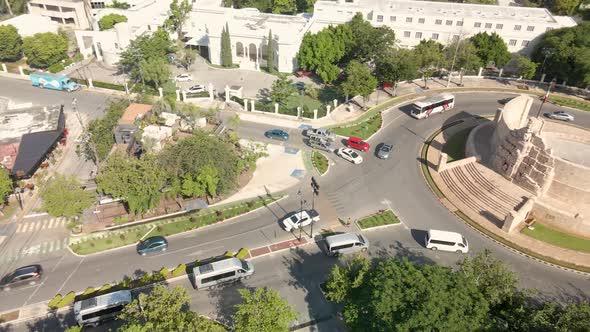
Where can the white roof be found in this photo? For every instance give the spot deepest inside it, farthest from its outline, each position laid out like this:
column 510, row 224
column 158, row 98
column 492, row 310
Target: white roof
column 434, row 99
column 122, row 296
column 29, row 24
column 223, row 265
column 446, row 236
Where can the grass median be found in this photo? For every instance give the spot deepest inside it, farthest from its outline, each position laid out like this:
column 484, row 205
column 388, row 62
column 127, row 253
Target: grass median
column 320, row 162
column 571, row 102
column 557, row 238
column 363, row 129
column 382, row 218
column 176, row 225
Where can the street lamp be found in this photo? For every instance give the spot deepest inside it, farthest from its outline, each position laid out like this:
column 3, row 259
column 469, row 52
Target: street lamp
column 552, row 84
column 547, row 52
column 17, row 192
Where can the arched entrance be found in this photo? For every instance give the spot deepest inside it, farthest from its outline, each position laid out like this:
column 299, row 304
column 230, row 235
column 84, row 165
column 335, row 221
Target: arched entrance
column 240, row 49
column 253, row 53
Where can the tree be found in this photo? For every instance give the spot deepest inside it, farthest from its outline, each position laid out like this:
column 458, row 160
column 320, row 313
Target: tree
column 565, row 7
column 359, row 80
column 145, row 47
column 305, row 6
column 44, row 49
column 8, row 7
column 166, row 311
column 5, row 185
column 465, row 56
column 491, row 48
column 156, row 71
column 271, row 52
column 263, row 310
column 367, row 43
column 396, row 66
column 63, row 196
column 321, row 51
column 281, row 90
column 525, row 67
column 138, row 182
column 226, row 52
column 100, row 133
column 178, row 14
column 108, row 21
column 284, row 7
column 11, row 44
column 188, row 58
column 429, row 57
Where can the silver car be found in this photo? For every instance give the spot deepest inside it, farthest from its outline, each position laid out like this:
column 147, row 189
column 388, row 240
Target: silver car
column 384, row 150
column 560, row 115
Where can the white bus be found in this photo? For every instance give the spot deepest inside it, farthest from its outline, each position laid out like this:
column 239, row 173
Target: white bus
column 437, row 104
column 95, row 310
column 447, row 241
column 222, row 272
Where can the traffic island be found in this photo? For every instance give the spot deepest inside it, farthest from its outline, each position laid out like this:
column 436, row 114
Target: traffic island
column 320, row 162
column 364, row 129
column 381, row 219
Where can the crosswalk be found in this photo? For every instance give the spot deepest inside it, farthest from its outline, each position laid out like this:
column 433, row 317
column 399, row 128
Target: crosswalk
column 38, row 225
column 34, row 250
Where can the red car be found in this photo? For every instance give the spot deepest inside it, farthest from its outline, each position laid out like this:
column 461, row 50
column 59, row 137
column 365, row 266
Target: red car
column 357, row 143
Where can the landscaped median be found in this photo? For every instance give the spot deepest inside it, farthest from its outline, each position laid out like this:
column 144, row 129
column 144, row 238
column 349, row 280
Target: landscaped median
column 570, row 102
column 363, row 129
column 320, row 162
column 132, row 234
column 557, row 238
column 382, row 218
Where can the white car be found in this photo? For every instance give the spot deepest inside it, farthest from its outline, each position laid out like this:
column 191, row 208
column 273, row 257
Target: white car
column 196, row 88
column 184, row 78
column 300, row 219
column 350, row 155
column 560, row 115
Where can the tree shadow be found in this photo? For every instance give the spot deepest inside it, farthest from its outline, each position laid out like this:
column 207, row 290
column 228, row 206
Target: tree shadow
column 263, row 94
column 52, row 322
column 227, row 297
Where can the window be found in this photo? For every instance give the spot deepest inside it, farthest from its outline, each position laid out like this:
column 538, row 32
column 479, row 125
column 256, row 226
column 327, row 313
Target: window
column 525, row 43
column 418, row 35
column 438, row 22
column 435, row 36
column 342, row 246
column 517, row 27
column 379, row 18
column 449, row 22
column 548, row 29
column 459, row 23
column 218, row 277
column 499, row 26
column 488, row 25
column 408, row 20
column 444, row 243
column 391, row 18
column 512, row 42
column 455, row 38
column 116, row 46
column 421, row 20
column 477, row 25
column 104, row 312
column 530, row 28
column 407, row 34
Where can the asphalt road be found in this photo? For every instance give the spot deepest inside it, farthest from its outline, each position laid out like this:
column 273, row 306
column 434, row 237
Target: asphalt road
column 353, row 190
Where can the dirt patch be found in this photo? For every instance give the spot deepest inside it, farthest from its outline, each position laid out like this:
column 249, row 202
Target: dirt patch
column 9, row 316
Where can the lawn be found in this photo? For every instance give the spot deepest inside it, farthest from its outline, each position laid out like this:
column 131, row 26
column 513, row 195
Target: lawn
column 309, row 104
column 557, row 238
column 575, row 103
column 455, row 146
column 379, row 219
column 166, row 228
column 320, row 162
column 363, row 129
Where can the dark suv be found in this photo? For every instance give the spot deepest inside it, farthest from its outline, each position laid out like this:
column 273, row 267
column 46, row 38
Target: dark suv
column 26, row 275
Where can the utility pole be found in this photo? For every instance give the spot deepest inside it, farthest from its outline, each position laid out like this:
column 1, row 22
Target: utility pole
column 454, row 58
column 552, row 84
column 300, row 193
column 315, row 192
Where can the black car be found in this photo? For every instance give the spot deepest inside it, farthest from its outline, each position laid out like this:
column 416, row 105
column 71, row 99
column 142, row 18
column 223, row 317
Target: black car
column 26, row 275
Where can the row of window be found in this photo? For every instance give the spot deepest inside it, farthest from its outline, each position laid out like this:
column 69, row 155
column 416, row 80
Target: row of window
column 420, row 20
column 435, row 36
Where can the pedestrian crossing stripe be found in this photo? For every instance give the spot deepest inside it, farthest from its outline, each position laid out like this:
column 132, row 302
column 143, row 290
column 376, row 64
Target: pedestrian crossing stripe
column 34, row 226
column 39, row 249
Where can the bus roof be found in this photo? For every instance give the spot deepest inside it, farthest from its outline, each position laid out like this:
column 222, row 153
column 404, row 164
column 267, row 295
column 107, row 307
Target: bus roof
column 219, row 266
column 103, row 300
column 434, row 99
column 445, row 236
column 60, row 76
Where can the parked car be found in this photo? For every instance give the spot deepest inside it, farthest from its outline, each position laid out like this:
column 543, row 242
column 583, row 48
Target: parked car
column 321, row 132
column 299, row 86
column 196, row 88
column 560, row 115
column 279, row 134
column 357, row 143
column 26, row 275
column 152, row 244
column 350, row 155
column 300, row 219
column 384, row 150
column 184, row 77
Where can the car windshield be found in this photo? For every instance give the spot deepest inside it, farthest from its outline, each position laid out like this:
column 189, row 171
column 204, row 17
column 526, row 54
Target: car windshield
column 294, row 219
column 245, row 266
column 353, row 154
column 386, row 148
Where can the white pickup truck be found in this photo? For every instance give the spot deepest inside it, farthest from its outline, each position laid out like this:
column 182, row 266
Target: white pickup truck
column 300, row 219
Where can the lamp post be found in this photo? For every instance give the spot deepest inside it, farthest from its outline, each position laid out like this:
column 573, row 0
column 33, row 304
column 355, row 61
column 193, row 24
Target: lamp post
column 552, row 84
column 547, row 52
column 17, row 192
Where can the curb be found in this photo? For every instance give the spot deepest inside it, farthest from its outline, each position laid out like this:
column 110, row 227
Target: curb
column 314, row 165
column 506, row 246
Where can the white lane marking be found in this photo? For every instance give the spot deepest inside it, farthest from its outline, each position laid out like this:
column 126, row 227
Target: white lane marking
column 70, row 276
column 37, row 226
column 51, row 221
column 43, row 225
column 19, row 228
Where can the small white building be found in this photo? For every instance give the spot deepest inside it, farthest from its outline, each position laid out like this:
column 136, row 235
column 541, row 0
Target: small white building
column 29, row 24
column 70, row 13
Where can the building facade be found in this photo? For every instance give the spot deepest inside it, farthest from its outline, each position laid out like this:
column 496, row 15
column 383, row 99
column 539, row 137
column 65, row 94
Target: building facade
column 72, row 13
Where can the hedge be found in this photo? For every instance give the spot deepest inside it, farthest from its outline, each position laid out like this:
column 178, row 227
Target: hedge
column 179, row 270
column 106, row 85
column 198, row 94
column 56, row 67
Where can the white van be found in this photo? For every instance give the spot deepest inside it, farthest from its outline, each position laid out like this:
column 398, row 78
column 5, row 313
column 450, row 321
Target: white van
column 347, row 243
column 95, row 310
column 221, row 272
column 447, row 241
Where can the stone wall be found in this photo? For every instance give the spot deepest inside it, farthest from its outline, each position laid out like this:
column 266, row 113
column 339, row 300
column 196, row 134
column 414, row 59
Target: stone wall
column 516, row 217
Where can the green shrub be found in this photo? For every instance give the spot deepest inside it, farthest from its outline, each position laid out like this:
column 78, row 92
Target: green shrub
column 56, row 67
column 228, row 254
column 88, row 291
column 145, row 279
column 105, row 85
column 122, row 237
column 242, row 253
column 179, row 270
column 109, row 241
column 164, row 272
column 105, row 288
column 77, row 57
column 125, row 283
column 67, row 300
column 79, row 80
column 27, row 71
column 108, row 21
column 53, row 304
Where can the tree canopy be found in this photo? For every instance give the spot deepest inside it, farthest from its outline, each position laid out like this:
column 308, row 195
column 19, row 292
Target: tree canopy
column 284, row 6
column 226, row 51
column 179, row 12
column 11, row 43
column 100, row 132
column 525, row 67
column 397, row 66
column 63, row 196
column 262, row 310
column 44, row 49
column 5, row 184
column 368, row 42
column 359, row 80
column 108, row 21
column 281, row 90
column 155, row 71
column 164, row 310
column 491, row 48
column 465, row 55
column 145, row 47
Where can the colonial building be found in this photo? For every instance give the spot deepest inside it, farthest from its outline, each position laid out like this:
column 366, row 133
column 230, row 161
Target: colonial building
column 72, row 13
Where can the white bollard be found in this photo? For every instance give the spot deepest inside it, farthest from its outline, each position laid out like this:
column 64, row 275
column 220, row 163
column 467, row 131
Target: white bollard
column 20, row 69
column 328, row 107
column 335, row 103
column 246, row 105
column 479, row 72
column 90, row 85
column 315, row 114
column 184, row 95
column 298, row 112
column 500, row 73
column 177, row 95
column 276, row 108
column 4, row 69
column 161, row 91
column 253, row 108
column 211, row 93
column 126, row 87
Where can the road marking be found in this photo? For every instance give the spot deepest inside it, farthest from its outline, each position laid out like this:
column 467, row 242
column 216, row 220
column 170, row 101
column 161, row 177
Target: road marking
column 70, row 276
column 27, row 226
column 51, row 221
column 63, row 222
column 37, row 226
column 43, row 225
column 19, row 228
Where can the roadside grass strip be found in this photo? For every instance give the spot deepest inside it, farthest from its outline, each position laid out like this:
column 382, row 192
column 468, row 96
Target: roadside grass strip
column 455, row 146
column 363, row 129
column 570, row 102
column 320, row 162
column 382, row 218
column 168, row 227
column 557, row 238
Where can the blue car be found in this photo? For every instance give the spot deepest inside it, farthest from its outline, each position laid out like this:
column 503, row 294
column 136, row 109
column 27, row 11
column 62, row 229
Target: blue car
column 152, row 244
column 277, row 134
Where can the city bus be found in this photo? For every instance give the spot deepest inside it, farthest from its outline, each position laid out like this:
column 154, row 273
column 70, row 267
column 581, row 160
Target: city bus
column 436, row 104
column 95, row 310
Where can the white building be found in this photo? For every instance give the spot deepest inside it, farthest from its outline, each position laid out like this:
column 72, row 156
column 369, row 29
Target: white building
column 71, row 13
column 412, row 21
column 29, row 24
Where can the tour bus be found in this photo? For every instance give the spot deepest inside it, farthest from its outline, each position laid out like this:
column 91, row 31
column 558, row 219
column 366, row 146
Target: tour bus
column 95, row 310
column 447, row 241
column 437, row 104
column 221, row 272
